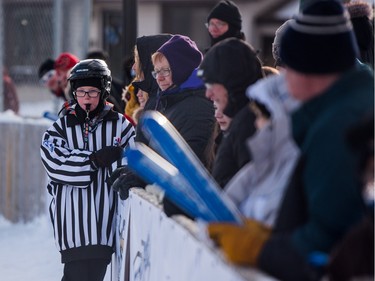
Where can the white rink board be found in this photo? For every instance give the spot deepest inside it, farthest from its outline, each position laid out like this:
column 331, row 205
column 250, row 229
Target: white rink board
column 162, row 248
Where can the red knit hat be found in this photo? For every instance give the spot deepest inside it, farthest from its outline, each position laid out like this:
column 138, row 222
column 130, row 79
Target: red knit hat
column 65, row 61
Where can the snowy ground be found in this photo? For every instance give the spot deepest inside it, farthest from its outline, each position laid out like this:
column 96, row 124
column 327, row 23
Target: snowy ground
column 28, row 251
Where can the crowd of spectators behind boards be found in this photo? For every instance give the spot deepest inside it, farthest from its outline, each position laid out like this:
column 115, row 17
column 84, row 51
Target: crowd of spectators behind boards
column 291, row 145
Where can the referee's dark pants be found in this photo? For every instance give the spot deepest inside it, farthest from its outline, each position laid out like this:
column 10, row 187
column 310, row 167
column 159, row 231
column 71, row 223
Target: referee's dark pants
column 85, row 270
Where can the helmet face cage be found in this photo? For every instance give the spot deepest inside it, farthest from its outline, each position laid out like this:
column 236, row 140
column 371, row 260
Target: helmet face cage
column 92, row 68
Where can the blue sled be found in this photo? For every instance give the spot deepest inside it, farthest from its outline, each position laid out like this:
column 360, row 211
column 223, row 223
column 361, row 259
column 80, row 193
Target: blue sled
column 153, row 168
column 169, row 143
column 50, row 116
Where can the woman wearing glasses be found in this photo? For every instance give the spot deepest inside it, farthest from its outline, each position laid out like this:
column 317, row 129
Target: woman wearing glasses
column 182, row 94
column 182, row 98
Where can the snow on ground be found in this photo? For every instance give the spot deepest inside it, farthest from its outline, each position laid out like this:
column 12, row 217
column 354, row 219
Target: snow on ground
column 28, row 251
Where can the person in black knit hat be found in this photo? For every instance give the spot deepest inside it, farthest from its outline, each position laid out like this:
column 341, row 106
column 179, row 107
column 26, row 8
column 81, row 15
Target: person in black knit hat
column 228, row 68
column 224, row 21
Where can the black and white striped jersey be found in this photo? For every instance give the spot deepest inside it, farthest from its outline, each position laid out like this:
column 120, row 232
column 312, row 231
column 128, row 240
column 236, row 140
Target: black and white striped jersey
column 83, row 206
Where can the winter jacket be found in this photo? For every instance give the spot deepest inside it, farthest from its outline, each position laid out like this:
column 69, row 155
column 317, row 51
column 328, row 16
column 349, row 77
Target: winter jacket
column 233, row 154
column 323, row 200
column 259, row 186
column 191, row 113
column 83, row 206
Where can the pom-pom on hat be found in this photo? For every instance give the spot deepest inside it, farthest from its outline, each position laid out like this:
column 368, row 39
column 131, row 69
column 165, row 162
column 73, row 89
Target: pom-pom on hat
column 183, row 57
column 65, row 61
column 226, row 11
column 320, row 39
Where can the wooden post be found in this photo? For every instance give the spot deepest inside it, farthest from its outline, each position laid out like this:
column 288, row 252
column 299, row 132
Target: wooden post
column 129, row 26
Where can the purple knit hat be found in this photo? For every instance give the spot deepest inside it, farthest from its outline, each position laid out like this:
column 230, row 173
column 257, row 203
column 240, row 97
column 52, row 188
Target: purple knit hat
column 183, row 57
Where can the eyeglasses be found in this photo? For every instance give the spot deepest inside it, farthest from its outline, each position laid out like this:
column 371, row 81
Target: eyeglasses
column 162, row 72
column 46, row 77
column 208, row 85
column 90, row 93
column 217, row 25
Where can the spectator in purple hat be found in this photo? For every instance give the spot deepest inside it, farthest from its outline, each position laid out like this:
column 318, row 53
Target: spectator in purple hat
column 182, row 98
column 182, row 94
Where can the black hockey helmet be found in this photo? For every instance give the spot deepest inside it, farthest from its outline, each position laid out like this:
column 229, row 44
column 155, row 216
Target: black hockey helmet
column 92, row 69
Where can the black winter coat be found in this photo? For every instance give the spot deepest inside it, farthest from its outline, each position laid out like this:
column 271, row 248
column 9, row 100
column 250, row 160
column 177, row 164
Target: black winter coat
column 232, row 153
column 192, row 114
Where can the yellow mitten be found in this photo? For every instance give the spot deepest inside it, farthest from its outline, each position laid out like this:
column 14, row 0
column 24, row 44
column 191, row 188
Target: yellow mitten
column 240, row 243
column 132, row 103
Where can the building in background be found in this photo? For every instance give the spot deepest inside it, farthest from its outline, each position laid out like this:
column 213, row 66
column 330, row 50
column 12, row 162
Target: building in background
column 36, row 29
column 261, row 18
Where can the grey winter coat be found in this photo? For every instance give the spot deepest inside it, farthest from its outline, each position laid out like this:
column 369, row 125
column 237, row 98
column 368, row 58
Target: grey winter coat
column 258, row 187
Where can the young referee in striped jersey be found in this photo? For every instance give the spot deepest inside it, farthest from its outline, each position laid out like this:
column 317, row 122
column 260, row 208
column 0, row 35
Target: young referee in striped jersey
column 79, row 152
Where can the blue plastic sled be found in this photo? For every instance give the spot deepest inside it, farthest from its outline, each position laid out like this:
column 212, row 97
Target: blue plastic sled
column 153, row 168
column 165, row 139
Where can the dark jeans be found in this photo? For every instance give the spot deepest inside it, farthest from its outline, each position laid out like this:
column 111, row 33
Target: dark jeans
column 85, row 270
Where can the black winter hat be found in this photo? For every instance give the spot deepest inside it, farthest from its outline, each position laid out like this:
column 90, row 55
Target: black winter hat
column 227, row 11
column 234, row 64
column 183, row 57
column 146, row 46
column 320, row 39
column 46, row 66
column 276, row 43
